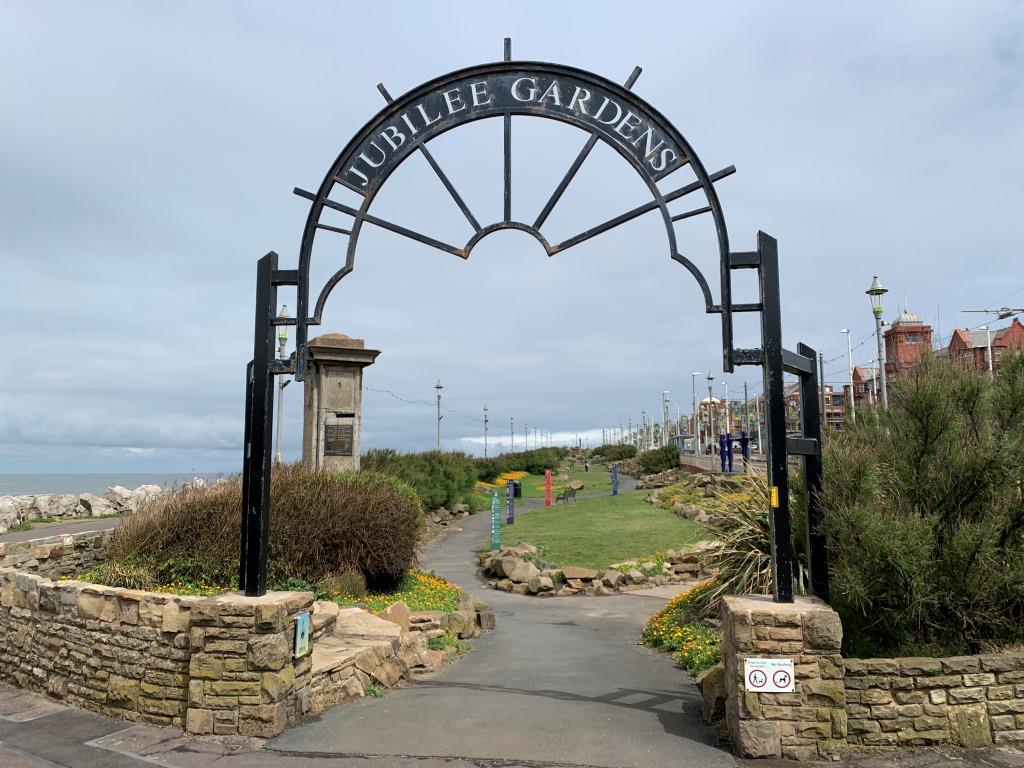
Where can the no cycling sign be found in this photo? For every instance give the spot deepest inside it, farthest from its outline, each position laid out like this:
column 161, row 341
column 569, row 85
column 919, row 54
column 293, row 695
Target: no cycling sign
column 769, row 675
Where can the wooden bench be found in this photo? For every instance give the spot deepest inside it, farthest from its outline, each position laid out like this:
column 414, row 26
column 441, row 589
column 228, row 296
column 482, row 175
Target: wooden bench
column 566, row 495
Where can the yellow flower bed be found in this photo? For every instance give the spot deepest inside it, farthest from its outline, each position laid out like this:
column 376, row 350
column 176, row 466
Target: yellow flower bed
column 420, row 591
column 695, row 645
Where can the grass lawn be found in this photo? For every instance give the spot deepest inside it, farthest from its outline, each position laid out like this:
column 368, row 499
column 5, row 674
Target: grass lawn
column 594, row 533
column 597, row 479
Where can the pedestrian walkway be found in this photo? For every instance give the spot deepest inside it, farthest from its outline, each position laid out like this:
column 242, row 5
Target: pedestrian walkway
column 78, row 525
column 561, row 681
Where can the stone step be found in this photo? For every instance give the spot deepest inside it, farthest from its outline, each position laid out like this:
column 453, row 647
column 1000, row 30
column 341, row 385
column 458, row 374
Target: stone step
column 357, row 623
column 331, row 654
column 360, row 649
column 325, row 614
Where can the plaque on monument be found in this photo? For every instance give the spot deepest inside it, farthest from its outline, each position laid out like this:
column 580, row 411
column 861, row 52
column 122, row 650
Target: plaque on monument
column 338, row 440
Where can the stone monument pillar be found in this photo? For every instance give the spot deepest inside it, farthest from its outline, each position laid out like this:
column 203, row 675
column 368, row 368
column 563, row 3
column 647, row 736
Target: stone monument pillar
column 334, row 401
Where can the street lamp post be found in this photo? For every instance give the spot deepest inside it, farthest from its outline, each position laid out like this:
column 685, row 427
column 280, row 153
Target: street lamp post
column 282, row 342
column 728, row 426
column 875, row 293
column 696, row 423
column 849, row 360
column 711, row 410
column 988, row 349
column 664, row 418
column 438, row 387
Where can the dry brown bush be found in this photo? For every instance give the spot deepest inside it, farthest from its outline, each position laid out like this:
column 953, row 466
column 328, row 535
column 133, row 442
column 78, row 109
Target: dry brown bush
column 321, row 523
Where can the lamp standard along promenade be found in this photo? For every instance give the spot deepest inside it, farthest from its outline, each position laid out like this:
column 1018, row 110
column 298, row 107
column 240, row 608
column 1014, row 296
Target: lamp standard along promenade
column 849, row 360
column 282, row 343
column 875, row 293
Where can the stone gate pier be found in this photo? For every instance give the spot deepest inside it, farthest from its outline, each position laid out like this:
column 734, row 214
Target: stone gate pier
column 334, row 401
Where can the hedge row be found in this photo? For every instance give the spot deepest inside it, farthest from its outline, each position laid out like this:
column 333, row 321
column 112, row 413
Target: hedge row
column 659, row 460
column 533, row 462
column 613, row 452
column 440, row 478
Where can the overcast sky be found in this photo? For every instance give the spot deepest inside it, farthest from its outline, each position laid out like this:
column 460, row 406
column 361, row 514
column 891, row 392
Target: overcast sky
column 148, row 152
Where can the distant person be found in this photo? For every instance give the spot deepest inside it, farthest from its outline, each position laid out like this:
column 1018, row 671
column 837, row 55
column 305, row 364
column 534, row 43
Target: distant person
column 729, row 449
column 745, row 448
column 586, row 466
column 723, row 450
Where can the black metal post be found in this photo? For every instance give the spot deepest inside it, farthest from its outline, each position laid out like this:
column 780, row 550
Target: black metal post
column 246, row 469
column 252, row 568
column 775, row 418
column 810, row 420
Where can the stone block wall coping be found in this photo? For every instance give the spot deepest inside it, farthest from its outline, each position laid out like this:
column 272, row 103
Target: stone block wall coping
column 972, row 701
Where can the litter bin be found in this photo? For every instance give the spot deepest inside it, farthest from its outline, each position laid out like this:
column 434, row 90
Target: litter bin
column 517, row 489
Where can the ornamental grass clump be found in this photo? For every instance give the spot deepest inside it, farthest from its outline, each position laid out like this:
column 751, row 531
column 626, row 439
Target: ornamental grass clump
column 323, row 524
column 740, row 553
column 925, row 514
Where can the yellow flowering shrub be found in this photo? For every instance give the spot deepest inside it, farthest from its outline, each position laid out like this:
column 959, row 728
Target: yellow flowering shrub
column 695, row 645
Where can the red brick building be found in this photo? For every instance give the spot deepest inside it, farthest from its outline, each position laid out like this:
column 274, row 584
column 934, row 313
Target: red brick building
column 864, row 386
column 906, row 340
column 971, row 346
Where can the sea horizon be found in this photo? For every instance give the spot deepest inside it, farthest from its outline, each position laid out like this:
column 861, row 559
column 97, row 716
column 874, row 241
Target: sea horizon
column 94, row 482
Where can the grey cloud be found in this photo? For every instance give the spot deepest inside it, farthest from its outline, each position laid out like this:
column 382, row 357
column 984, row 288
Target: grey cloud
column 149, row 153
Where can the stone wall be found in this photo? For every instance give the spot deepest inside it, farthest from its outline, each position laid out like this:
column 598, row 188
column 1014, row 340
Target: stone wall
column 807, row 724
column 243, row 678
column 208, row 664
column 56, row 556
column 121, row 652
column 972, row 701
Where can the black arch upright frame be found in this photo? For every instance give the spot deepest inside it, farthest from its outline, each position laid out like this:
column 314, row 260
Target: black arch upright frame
column 771, row 356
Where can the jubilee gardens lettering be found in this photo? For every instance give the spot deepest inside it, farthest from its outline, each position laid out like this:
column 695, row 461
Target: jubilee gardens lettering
column 585, row 104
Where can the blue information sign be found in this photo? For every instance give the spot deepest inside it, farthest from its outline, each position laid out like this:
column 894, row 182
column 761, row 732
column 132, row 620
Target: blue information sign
column 615, row 479
column 510, row 493
column 495, row 521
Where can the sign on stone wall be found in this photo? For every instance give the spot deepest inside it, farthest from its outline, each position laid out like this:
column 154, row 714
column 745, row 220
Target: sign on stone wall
column 338, row 439
column 769, row 675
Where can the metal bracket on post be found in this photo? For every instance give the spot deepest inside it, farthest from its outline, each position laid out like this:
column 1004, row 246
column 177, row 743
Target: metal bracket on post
column 259, row 420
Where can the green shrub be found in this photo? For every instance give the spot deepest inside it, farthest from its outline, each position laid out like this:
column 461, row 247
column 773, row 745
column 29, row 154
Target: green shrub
column 613, row 452
column 925, row 517
column 440, row 478
column 321, row 523
column 659, row 460
column 533, row 462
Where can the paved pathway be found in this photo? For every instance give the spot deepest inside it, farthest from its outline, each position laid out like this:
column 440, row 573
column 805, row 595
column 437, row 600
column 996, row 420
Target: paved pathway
column 80, row 525
column 561, row 681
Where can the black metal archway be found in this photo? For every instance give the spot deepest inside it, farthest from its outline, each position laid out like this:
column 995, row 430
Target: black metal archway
column 645, row 139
